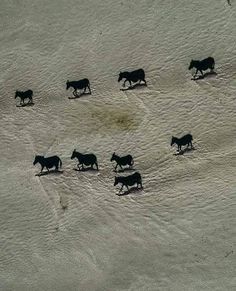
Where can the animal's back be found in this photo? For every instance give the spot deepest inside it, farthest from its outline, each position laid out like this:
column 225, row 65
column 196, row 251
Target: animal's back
column 138, row 73
column 30, row 92
column 127, row 158
column 137, row 176
column 208, row 62
column 187, row 137
column 52, row 160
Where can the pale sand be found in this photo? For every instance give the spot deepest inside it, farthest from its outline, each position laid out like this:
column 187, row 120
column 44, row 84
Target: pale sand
column 179, row 232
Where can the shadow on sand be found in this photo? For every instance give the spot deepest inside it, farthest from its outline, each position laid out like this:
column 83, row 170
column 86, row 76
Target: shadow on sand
column 25, row 104
column 134, row 86
column 124, row 170
column 208, row 74
column 186, row 150
column 79, row 95
column 57, row 172
column 85, row 169
column 130, row 191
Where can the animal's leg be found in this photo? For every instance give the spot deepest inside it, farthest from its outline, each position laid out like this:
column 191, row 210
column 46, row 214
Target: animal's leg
column 130, row 83
column 75, row 93
column 42, row 167
column 96, row 165
column 121, row 188
column 196, row 73
column 121, row 167
column 116, row 167
column 89, row 89
column 124, row 83
column 201, row 72
column 141, row 185
column 191, row 145
column 127, row 187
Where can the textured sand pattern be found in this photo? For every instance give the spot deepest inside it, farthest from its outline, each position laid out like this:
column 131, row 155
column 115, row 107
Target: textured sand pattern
column 179, row 232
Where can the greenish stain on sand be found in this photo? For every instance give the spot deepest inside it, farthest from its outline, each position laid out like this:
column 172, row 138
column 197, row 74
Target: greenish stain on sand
column 114, row 118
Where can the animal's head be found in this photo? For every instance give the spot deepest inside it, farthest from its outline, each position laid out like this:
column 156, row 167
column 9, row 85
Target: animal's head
column 16, row 94
column 116, row 181
column 67, row 85
column 191, row 65
column 36, row 160
column 73, row 154
column 113, row 157
column 173, row 140
column 121, row 76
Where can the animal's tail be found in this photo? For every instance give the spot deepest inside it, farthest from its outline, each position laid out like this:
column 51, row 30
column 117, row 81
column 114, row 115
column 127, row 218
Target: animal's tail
column 60, row 162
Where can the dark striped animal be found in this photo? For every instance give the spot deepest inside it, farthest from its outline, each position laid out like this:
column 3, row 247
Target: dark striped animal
column 208, row 63
column 134, row 76
column 122, row 161
column 85, row 159
column 129, row 181
column 48, row 163
column 185, row 140
column 78, row 85
column 24, row 95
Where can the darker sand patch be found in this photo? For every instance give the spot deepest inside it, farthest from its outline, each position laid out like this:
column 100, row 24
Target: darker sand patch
column 115, row 118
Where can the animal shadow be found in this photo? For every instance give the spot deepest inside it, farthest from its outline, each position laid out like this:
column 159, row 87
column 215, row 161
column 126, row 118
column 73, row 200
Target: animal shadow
column 207, row 74
column 57, row 172
column 85, row 169
column 25, row 104
column 79, row 95
column 130, row 191
column 124, row 170
column 182, row 152
column 134, row 86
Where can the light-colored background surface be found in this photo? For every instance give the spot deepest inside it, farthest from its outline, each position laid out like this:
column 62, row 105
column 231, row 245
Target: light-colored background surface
column 179, row 232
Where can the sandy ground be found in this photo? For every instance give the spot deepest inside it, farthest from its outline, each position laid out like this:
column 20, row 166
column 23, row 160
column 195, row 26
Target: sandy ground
column 179, row 232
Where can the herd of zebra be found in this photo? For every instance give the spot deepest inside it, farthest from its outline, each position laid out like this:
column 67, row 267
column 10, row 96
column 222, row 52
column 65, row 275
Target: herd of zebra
column 90, row 160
